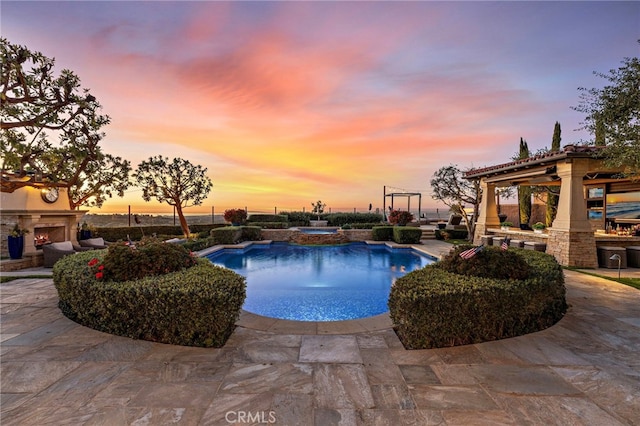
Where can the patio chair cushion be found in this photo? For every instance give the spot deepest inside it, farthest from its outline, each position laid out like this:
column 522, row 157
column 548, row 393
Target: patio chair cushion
column 64, row 245
column 93, row 242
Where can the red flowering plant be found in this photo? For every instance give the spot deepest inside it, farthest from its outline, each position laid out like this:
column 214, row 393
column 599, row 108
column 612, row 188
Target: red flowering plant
column 96, row 268
column 398, row 217
column 235, row 216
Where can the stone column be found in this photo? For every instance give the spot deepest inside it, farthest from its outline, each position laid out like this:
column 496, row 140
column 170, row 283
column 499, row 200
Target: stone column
column 571, row 239
column 488, row 215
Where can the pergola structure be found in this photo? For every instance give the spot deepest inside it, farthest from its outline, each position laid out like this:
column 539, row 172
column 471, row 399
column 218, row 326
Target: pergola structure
column 571, row 239
column 402, row 194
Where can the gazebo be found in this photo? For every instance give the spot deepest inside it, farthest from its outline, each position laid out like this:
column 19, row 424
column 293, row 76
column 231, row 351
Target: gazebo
column 581, row 222
column 396, row 193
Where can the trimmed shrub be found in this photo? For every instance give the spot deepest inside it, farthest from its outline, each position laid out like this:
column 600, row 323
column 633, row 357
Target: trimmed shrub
column 433, row 308
column 268, row 218
column 194, row 307
column 406, row 235
column 382, row 233
column 299, row 218
column 227, row 235
column 136, row 232
column 123, row 263
column 340, row 219
column 236, row 234
column 251, row 233
column 271, row 225
column 199, row 244
column 491, row 262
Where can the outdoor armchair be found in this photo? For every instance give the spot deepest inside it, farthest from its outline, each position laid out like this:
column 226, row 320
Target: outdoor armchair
column 56, row 251
column 94, row 243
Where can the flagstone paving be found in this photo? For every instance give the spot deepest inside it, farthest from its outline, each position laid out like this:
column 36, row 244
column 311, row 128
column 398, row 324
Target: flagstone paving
column 585, row 370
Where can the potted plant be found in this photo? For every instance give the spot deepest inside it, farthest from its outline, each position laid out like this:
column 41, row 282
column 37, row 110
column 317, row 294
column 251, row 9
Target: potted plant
column 235, row 216
column 85, row 231
column 538, row 227
column 505, row 225
column 15, row 241
column 400, row 218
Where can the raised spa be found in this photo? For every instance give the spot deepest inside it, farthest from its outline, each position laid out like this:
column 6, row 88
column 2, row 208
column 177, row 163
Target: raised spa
column 319, row 283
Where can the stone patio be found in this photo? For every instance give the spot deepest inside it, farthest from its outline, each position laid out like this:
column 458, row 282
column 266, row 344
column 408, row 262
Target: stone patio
column 585, row 370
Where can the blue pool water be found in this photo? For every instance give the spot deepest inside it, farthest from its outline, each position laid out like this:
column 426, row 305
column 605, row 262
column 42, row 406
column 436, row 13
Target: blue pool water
column 316, row 231
column 319, row 283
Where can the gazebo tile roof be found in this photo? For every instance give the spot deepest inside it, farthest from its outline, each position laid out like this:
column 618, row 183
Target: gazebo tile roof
column 540, row 159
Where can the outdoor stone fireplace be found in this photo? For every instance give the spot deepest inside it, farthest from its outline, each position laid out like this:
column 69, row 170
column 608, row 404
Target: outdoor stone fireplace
column 44, row 226
column 47, row 220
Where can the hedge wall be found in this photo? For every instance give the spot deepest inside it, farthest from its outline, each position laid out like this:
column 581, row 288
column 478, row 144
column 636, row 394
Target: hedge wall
column 268, row 218
column 382, row 233
column 406, row 234
column 236, row 234
column 193, row 307
column 339, row 219
column 433, row 308
column 136, row 232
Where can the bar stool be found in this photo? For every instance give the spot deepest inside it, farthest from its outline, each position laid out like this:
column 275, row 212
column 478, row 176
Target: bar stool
column 606, row 252
column 535, row 245
column 516, row 243
column 633, row 256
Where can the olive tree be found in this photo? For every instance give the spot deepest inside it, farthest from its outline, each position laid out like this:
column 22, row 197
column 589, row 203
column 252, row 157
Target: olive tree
column 450, row 187
column 613, row 116
column 51, row 129
column 177, row 183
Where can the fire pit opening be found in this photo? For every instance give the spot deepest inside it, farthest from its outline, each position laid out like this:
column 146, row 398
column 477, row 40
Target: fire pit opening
column 49, row 234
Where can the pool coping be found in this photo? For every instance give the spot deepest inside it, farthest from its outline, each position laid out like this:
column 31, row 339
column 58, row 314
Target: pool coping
column 257, row 322
column 275, row 325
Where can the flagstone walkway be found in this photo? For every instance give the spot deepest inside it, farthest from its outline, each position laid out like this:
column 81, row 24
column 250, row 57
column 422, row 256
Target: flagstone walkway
column 585, row 370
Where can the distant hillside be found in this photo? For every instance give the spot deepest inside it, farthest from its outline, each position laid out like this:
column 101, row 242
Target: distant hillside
column 119, row 220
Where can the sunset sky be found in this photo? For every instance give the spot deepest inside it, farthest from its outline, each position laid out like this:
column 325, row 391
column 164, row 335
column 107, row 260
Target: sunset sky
column 286, row 103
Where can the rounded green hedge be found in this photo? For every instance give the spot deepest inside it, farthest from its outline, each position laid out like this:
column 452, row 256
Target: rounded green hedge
column 197, row 306
column 432, row 308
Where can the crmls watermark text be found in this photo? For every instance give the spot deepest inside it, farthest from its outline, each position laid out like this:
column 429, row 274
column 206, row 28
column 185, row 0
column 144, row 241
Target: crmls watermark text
column 261, row 417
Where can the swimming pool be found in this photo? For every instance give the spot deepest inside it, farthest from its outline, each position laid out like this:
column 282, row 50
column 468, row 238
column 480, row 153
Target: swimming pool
column 319, row 283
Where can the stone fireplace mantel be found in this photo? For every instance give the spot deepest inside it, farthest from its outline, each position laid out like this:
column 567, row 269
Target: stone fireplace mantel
column 58, row 225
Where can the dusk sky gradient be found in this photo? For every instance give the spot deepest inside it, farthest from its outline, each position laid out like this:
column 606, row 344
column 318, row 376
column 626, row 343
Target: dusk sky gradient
column 286, row 103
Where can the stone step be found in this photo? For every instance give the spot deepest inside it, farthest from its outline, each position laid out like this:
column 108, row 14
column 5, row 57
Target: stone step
column 428, row 234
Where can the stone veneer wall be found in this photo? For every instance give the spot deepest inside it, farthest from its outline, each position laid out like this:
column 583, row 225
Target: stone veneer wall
column 279, row 235
column 358, row 234
column 286, row 234
column 318, row 239
column 573, row 248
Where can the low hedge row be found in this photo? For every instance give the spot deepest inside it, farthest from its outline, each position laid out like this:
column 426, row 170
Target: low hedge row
column 271, row 225
column 382, row 233
column 193, row 307
column 137, row 232
column 433, row 308
column 399, row 234
column 236, row 234
column 406, row 234
column 339, row 219
column 268, row 218
column 334, row 219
